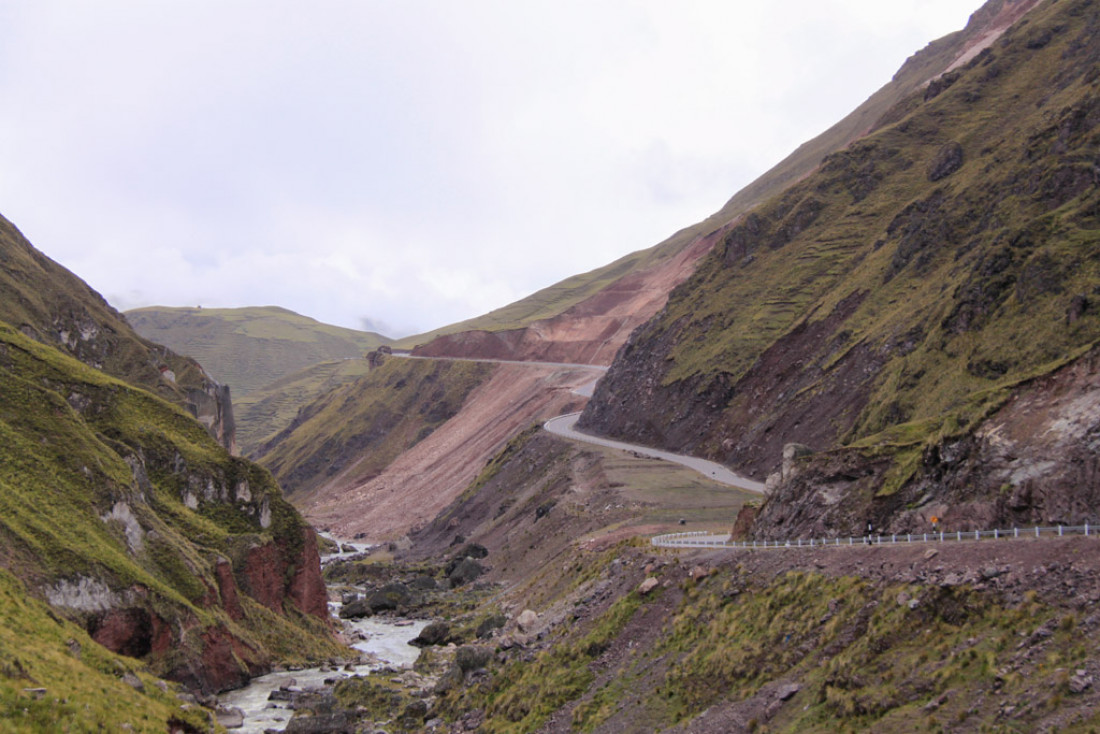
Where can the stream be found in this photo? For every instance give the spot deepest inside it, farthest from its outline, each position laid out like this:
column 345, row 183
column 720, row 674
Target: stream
column 384, row 643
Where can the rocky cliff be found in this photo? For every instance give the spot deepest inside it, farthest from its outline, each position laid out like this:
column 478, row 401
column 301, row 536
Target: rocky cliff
column 895, row 299
column 52, row 305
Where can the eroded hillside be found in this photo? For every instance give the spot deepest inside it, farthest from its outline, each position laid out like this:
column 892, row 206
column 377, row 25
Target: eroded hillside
column 897, row 297
column 48, row 303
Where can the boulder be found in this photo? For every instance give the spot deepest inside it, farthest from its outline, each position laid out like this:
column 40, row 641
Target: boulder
column 648, row 585
column 464, row 572
column 436, row 633
column 527, row 620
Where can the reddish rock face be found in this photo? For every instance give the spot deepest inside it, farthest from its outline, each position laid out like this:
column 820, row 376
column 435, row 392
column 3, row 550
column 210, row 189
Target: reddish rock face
column 125, row 631
column 227, row 587
column 307, row 588
column 264, row 576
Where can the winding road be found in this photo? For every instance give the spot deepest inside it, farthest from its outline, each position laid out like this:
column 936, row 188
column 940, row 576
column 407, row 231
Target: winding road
column 565, row 426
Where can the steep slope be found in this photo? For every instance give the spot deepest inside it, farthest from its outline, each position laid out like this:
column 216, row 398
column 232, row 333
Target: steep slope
column 266, row 412
column 48, row 303
column 55, row 678
column 898, row 296
column 588, row 317
column 118, row 509
column 248, row 348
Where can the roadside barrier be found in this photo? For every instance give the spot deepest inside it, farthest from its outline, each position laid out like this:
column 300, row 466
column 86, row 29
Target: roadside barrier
column 702, row 539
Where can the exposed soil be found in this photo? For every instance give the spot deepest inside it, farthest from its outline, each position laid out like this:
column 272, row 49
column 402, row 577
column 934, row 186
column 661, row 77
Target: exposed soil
column 590, row 332
column 413, row 489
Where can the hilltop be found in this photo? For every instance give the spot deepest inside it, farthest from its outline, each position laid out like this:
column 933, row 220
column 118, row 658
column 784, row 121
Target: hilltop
column 249, row 348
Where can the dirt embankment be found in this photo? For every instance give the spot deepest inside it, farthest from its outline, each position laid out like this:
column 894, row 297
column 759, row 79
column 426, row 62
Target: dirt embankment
column 422, row 481
column 590, row 332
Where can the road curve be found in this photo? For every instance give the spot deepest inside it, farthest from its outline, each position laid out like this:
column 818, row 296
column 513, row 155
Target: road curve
column 564, row 426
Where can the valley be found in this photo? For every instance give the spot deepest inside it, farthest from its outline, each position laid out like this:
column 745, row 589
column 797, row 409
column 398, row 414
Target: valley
column 580, row 504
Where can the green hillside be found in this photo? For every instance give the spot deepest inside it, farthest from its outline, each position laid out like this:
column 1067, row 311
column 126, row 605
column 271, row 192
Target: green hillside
column 119, row 509
column 265, row 412
column 362, row 426
column 557, row 298
column 55, row 678
column 52, row 305
column 248, row 348
column 899, row 293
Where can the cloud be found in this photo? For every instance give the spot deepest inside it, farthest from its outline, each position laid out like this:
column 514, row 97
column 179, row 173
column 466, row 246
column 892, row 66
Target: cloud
column 410, row 163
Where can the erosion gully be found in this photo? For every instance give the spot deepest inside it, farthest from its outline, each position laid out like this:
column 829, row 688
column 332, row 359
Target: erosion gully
column 261, row 706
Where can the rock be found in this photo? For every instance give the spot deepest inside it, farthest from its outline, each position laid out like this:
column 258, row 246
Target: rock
column 1080, row 683
column 647, row 586
column 355, row 610
column 424, row 583
column 230, row 717
column 527, row 620
column 948, row 160
column 913, row 604
column 991, row 572
column 792, row 452
column 473, row 657
column 788, row 691
column 436, row 633
column 903, row 599
column 464, row 572
column 390, row 597
column 133, row 681
column 698, row 573
column 930, row 554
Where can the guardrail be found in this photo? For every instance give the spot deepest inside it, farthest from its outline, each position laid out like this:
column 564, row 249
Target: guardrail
column 702, row 539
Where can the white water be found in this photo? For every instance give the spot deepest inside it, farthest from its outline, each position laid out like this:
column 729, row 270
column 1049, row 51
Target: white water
column 385, row 643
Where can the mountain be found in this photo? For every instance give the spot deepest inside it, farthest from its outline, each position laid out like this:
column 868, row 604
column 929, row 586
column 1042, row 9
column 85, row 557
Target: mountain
column 897, row 306
column 588, row 317
column 249, row 348
column 125, row 515
column 48, row 303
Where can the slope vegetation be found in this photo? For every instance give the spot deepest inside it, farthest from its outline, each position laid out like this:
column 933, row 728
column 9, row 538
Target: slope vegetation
column 588, row 317
column 898, row 296
column 248, row 348
column 118, row 509
column 48, row 303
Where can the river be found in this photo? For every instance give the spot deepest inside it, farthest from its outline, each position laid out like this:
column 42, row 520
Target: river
column 384, row 642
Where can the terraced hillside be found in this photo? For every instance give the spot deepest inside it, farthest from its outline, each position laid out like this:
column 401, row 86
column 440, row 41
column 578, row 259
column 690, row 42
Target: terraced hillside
column 249, row 348
column 587, row 317
column 895, row 299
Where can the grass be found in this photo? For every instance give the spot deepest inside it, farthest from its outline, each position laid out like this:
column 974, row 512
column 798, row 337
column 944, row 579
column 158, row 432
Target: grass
column 942, row 296
column 94, row 484
column 249, row 348
column 82, row 684
column 365, row 424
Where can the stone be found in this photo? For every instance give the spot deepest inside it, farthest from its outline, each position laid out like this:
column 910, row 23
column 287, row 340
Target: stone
column 1080, row 683
column 436, row 633
column 527, row 620
column 787, row 692
column 230, row 717
column 948, row 160
column 648, row 585
column 698, row 573
column 930, row 554
column 464, row 572
column 133, row 681
column 903, row 599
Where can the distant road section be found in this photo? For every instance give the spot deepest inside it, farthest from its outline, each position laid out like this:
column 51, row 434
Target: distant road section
column 564, row 426
column 567, row 365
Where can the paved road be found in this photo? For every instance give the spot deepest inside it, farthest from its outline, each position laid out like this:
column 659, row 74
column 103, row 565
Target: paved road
column 567, row 365
column 564, row 426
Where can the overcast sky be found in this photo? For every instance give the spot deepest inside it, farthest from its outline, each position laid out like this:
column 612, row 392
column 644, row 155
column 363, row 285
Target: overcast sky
column 404, row 164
